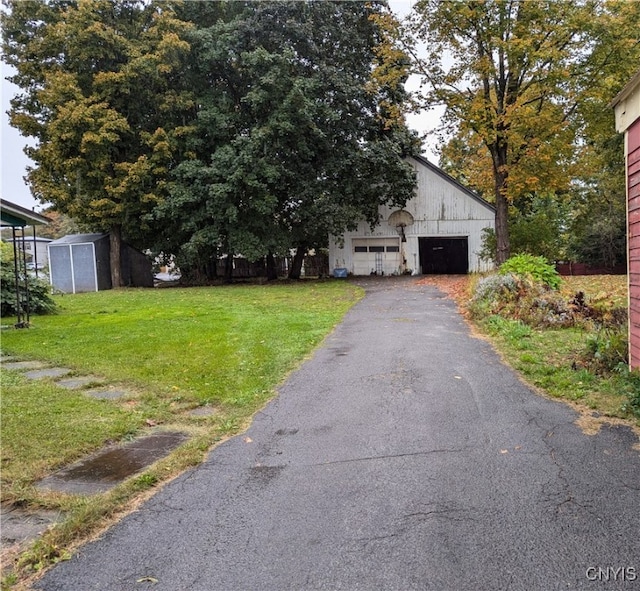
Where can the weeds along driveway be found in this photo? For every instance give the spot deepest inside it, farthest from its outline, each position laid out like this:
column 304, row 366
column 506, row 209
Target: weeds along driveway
column 402, row 455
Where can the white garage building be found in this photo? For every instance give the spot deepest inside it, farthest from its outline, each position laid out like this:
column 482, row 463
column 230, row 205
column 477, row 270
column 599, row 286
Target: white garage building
column 438, row 231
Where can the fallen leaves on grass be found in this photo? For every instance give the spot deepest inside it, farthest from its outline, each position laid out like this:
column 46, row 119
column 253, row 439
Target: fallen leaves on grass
column 598, row 287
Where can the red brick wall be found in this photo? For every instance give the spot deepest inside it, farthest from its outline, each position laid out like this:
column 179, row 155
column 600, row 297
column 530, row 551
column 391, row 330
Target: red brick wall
column 633, row 171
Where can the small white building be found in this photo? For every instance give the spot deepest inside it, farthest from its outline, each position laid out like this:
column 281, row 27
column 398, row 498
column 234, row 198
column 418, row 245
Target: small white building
column 35, row 249
column 439, row 231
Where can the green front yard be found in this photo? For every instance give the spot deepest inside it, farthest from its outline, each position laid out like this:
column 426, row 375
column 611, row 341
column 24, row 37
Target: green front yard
column 173, row 349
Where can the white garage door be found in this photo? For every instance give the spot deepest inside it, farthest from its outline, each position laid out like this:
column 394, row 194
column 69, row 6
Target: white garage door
column 376, row 255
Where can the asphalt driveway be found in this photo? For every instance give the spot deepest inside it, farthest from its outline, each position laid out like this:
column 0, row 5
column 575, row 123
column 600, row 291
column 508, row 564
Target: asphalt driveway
column 404, row 455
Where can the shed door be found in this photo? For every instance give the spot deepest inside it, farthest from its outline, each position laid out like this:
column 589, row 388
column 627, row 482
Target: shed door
column 84, row 267
column 60, row 269
column 376, row 255
column 442, row 256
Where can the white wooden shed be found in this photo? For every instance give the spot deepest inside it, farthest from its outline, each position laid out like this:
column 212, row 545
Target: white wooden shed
column 438, row 231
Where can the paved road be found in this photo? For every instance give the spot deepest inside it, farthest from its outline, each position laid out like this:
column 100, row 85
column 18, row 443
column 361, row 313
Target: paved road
column 402, row 456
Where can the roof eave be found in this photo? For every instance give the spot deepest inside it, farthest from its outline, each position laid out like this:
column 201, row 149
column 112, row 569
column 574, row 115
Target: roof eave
column 626, row 91
column 18, row 213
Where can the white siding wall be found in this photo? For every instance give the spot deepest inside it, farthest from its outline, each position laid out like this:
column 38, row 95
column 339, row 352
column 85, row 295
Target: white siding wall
column 41, row 248
column 440, row 209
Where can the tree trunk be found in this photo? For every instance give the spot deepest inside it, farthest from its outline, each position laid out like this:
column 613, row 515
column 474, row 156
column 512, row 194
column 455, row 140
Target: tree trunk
column 115, row 256
column 503, row 249
column 296, row 265
column 272, row 272
column 503, row 246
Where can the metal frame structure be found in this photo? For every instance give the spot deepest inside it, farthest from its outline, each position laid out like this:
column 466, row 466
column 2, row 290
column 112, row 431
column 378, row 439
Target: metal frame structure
column 18, row 217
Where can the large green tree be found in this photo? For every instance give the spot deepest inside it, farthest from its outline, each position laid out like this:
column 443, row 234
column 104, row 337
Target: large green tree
column 513, row 74
column 101, row 94
column 598, row 223
column 597, row 226
column 299, row 132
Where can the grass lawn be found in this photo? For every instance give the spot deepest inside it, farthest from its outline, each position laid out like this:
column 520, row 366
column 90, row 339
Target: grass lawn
column 172, row 350
column 612, row 288
column 549, row 360
column 196, row 345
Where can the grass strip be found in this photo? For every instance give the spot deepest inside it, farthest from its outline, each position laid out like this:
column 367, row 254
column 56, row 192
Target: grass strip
column 547, row 360
column 550, row 358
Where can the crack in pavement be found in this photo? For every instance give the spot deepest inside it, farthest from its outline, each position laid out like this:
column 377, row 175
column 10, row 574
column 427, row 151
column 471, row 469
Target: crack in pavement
column 565, row 491
column 410, row 520
column 448, row 514
column 393, row 456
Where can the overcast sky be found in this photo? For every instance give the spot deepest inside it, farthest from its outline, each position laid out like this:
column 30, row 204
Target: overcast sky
column 14, row 162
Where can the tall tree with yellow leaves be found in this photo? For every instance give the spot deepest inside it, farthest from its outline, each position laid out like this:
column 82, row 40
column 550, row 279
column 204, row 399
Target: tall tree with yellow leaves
column 514, row 74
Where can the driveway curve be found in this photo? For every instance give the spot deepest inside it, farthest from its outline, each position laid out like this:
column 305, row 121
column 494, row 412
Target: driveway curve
column 403, row 455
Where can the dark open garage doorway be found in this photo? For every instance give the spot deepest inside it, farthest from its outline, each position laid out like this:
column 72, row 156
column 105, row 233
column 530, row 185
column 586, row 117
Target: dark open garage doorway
column 444, row 256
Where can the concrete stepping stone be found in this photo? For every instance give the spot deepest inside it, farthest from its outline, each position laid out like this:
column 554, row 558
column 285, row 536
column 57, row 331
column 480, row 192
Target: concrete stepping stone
column 23, row 365
column 78, row 382
column 50, row 372
column 104, row 470
column 107, row 393
column 18, row 525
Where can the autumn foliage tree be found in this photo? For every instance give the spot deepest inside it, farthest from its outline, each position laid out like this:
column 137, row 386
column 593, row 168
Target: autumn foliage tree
column 513, row 75
column 101, row 96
